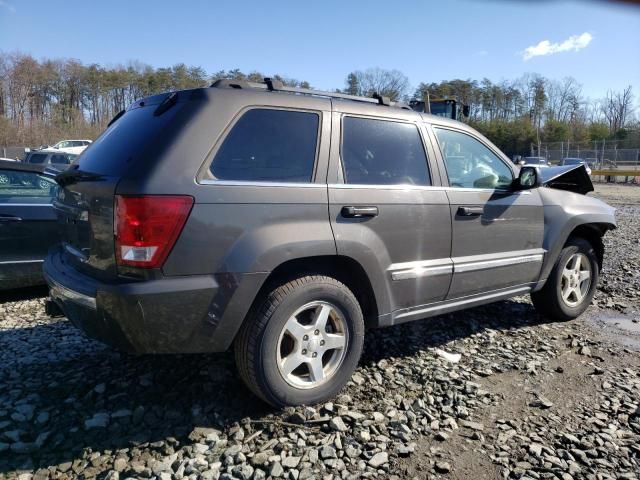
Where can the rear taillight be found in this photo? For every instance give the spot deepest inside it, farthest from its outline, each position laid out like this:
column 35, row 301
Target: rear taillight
column 147, row 227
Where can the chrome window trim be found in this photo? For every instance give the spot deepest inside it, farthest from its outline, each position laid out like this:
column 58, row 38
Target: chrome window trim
column 8, row 262
column 26, row 204
column 254, row 183
column 396, row 186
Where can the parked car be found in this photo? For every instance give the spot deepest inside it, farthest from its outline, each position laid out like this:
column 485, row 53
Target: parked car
column 539, row 161
column 72, row 146
column 576, row 161
column 27, row 223
column 55, row 158
column 285, row 221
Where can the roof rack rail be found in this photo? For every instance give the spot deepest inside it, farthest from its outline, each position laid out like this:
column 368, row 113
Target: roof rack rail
column 275, row 85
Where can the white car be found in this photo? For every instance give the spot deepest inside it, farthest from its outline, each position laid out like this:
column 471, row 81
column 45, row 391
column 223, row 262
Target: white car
column 72, row 146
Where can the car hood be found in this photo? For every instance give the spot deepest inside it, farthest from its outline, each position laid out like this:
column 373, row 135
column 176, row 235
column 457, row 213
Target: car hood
column 573, row 178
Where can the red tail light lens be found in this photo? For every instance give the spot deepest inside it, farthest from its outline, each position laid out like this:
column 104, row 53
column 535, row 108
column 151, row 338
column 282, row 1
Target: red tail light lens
column 147, row 227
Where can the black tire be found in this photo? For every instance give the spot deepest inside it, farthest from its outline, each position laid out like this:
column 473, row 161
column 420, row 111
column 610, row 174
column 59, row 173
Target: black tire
column 257, row 344
column 548, row 301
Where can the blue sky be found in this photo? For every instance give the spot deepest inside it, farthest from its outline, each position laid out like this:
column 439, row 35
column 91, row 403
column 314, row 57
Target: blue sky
column 596, row 42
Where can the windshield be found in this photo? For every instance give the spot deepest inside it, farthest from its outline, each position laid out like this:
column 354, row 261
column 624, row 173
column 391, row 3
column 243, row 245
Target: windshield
column 441, row 109
column 573, row 161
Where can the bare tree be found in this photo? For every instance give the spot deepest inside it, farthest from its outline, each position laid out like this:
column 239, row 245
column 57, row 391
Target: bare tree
column 617, row 108
column 389, row 83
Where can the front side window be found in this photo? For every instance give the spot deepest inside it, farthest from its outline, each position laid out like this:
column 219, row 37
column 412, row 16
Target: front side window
column 470, row 164
column 382, row 152
column 269, row 146
column 23, row 186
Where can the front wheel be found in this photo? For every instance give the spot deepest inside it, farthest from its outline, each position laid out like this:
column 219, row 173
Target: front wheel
column 304, row 342
column 571, row 284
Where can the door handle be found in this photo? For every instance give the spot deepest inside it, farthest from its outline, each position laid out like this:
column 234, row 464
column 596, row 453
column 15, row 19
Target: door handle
column 359, row 212
column 470, row 211
column 10, row 218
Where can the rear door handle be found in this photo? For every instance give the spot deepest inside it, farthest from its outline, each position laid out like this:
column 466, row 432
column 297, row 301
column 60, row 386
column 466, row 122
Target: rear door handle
column 470, row 211
column 359, row 211
column 10, row 218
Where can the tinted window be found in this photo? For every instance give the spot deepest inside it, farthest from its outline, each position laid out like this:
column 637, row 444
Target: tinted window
column 37, row 158
column 135, row 137
column 470, row 164
column 22, row 186
column 380, row 152
column 269, row 145
column 64, row 159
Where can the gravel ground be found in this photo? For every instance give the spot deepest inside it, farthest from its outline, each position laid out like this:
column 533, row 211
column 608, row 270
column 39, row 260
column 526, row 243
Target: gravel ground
column 528, row 398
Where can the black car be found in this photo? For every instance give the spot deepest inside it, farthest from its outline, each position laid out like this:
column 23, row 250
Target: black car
column 27, row 223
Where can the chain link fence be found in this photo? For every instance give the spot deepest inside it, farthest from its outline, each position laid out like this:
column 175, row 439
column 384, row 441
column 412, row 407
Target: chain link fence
column 599, row 154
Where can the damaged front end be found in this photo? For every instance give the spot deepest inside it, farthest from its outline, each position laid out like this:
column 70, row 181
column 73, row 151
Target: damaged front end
column 573, row 178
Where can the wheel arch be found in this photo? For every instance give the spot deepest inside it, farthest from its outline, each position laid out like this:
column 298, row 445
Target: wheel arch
column 344, row 269
column 591, row 230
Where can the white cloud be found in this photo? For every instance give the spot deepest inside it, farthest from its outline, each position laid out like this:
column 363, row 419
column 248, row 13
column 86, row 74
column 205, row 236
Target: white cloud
column 482, row 53
column 8, row 6
column 545, row 47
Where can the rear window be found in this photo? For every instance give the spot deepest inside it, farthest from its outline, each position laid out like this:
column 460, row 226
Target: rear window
column 268, row 145
column 134, row 134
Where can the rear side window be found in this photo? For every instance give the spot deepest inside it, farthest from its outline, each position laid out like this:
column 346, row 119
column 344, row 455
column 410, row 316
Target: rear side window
column 381, row 152
column 269, row 146
column 37, row 158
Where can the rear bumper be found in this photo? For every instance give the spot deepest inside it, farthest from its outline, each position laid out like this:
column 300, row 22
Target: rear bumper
column 190, row 314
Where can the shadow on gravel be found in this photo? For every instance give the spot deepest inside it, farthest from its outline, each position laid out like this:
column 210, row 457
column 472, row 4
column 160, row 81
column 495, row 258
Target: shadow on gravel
column 61, row 393
column 19, row 294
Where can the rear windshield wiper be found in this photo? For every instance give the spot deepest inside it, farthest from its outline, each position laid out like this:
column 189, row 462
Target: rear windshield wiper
column 73, row 175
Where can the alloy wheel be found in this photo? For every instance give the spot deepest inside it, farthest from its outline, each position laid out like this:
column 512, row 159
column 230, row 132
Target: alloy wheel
column 576, row 280
column 312, row 345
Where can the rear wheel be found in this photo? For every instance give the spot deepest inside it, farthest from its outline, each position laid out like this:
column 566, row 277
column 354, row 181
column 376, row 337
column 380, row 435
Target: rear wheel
column 571, row 284
column 304, row 342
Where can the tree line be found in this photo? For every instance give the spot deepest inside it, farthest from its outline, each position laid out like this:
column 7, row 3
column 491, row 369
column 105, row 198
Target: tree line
column 43, row 101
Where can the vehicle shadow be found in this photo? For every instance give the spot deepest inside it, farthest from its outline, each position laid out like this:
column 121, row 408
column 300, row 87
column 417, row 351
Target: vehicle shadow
column 63, row 394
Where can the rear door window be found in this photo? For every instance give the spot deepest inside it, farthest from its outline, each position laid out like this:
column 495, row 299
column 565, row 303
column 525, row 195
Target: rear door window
column 382, row 152
column 268, row 145
column 37, row 158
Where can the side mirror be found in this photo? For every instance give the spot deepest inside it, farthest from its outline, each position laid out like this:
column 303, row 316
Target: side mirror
column 529, row 178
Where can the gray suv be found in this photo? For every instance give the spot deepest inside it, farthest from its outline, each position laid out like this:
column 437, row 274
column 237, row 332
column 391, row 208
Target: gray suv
column 286, row 221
